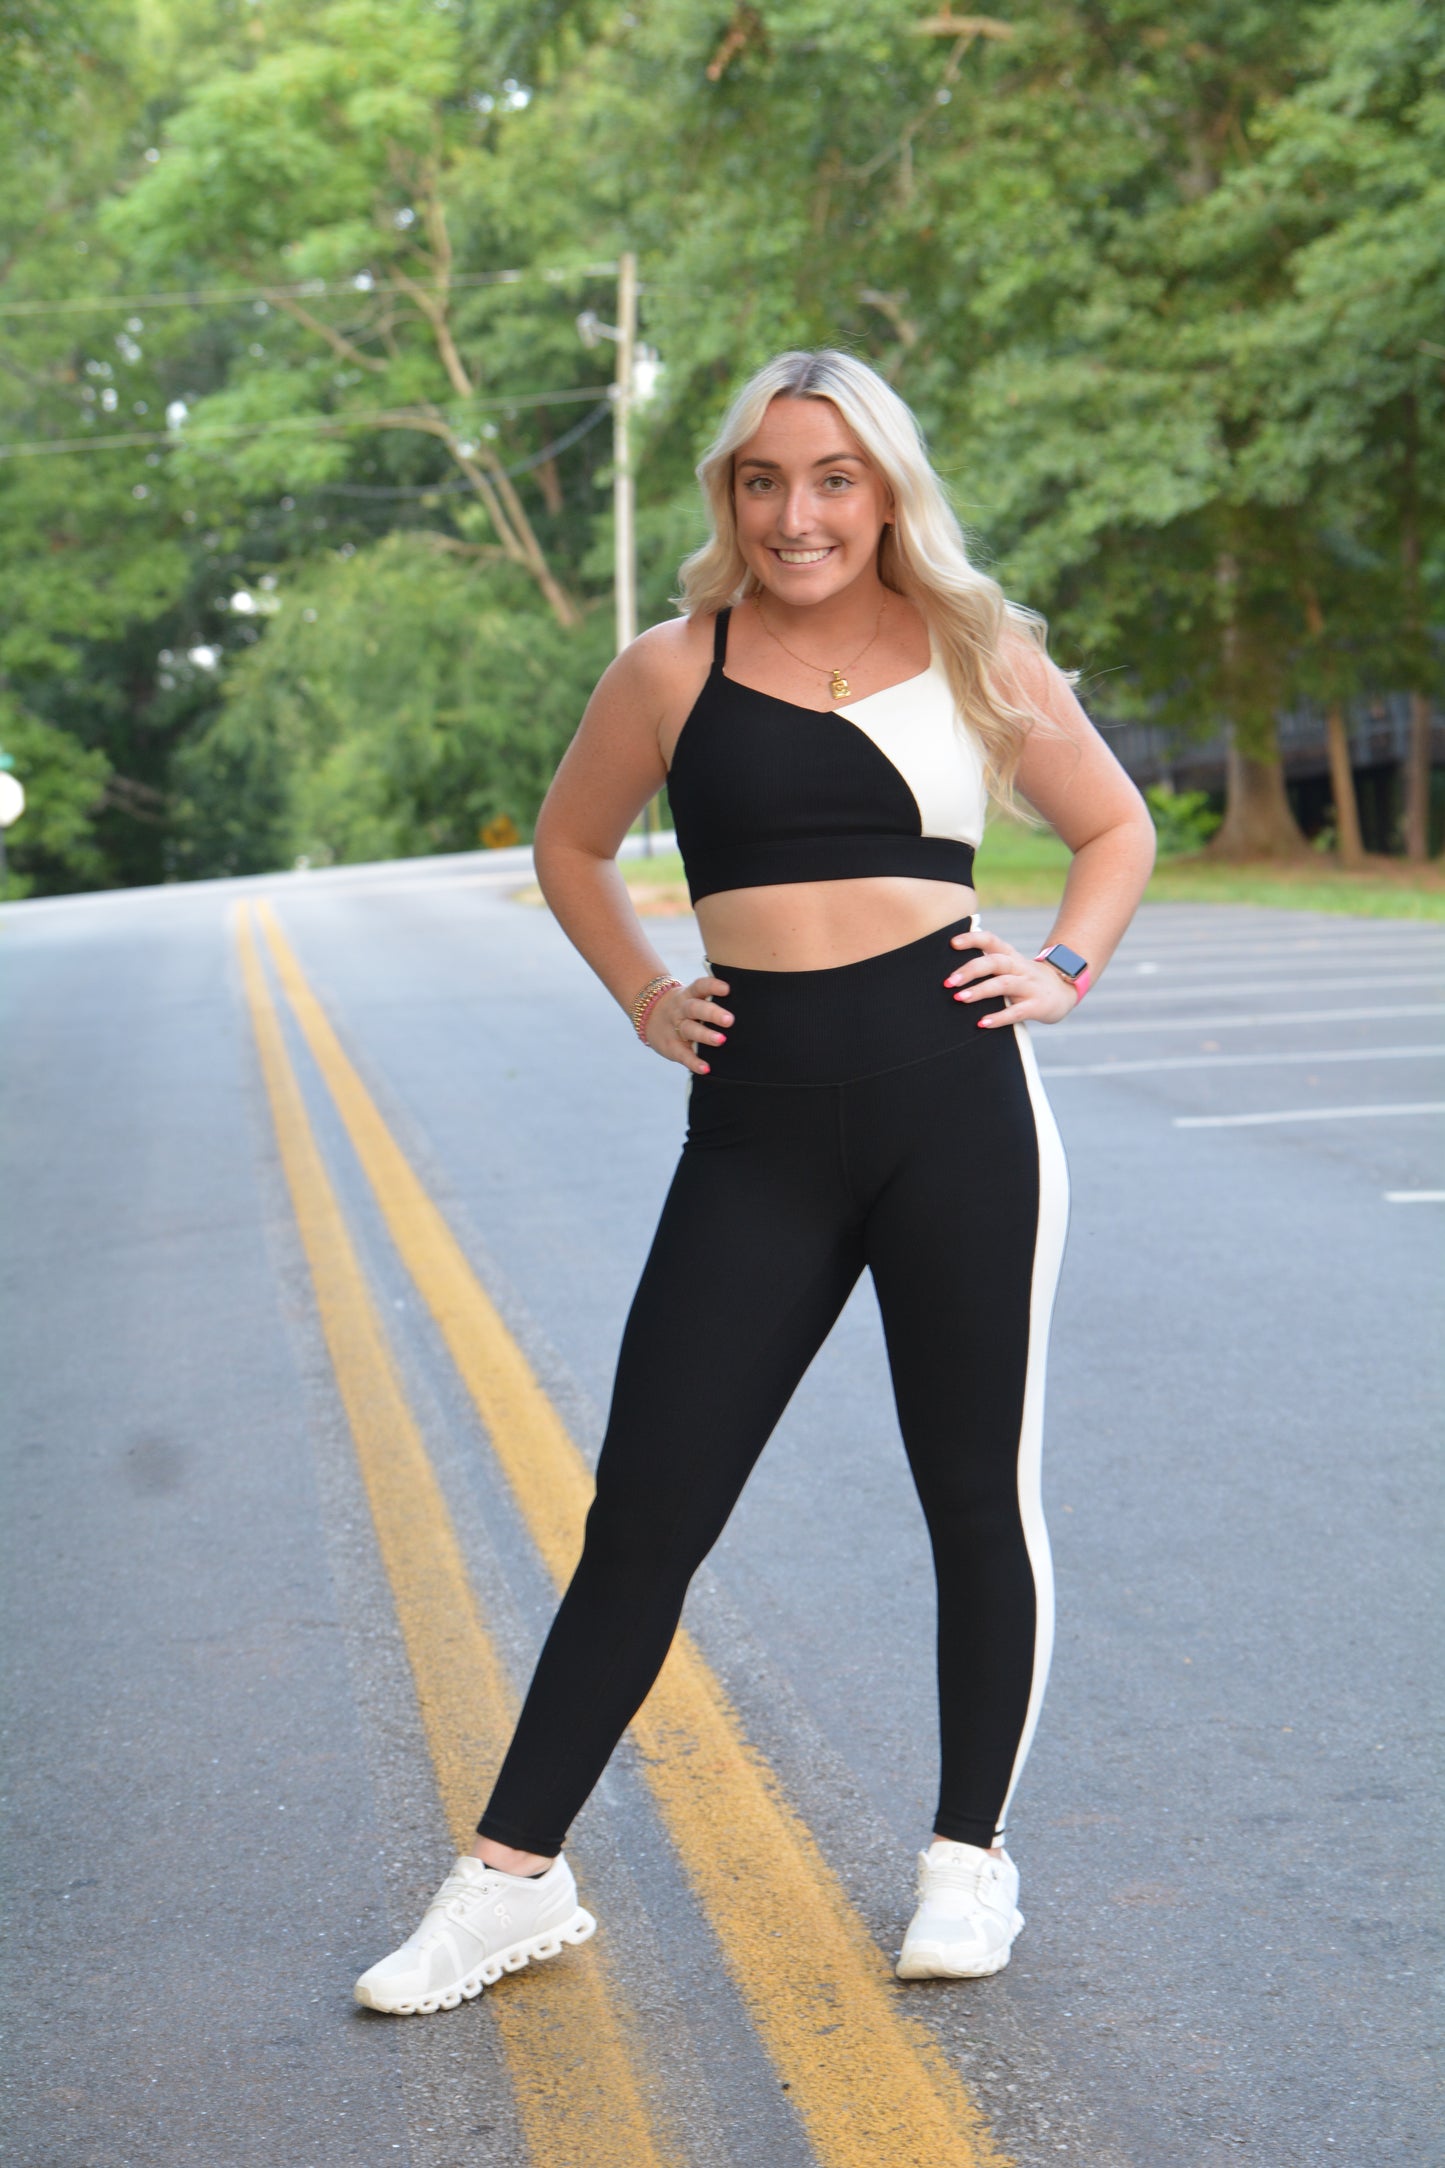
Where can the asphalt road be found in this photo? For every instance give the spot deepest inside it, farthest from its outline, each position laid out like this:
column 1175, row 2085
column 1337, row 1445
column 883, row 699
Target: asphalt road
column 222, row 1800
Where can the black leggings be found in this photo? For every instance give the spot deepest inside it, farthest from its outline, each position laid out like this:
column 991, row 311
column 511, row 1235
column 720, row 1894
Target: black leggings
column 856, row 1116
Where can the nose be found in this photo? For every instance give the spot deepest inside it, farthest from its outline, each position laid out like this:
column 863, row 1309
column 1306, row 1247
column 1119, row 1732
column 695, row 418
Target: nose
column 796, row 515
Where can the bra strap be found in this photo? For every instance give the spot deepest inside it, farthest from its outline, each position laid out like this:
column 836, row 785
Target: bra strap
column 720, row 638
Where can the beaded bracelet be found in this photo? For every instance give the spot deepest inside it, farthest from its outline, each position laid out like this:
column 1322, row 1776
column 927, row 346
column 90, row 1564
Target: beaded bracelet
column 647, row 1000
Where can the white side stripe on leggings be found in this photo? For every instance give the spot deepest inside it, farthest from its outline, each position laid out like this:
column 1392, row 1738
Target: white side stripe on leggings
column 1048, row 1257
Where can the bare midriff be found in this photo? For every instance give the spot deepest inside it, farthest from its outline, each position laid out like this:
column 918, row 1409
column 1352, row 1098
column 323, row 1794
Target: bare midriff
column 813, row 925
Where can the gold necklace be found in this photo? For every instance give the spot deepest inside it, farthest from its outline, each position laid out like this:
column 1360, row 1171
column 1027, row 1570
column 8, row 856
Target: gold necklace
column 837, row 682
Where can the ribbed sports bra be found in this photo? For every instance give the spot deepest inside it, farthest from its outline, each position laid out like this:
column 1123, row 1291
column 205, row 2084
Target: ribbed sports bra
column 764, row 791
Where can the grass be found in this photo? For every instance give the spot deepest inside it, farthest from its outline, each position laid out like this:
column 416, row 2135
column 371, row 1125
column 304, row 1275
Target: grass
column 1387, row 889
column 1018, row 865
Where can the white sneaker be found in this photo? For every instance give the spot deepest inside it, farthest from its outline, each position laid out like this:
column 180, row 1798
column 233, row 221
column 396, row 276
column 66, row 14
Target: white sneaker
column 480, row 1924
column 967, row 1914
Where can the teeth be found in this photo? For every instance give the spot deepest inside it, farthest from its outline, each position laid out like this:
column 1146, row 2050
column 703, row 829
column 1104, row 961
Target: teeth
column 804, row 557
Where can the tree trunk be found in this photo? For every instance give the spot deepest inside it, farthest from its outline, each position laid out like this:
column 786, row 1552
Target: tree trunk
column 1417, row 781
column 1342, row 782
column 1417, row 759
column 1348, row 842
column 1258, row 820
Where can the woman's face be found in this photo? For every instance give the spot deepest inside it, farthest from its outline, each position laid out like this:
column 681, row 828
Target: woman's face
column 810, row 507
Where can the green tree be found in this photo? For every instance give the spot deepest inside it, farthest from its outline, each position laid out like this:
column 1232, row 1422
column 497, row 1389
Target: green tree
column 1076, row 243
column 333, row 171
column 1162, row 291
column 391, row 710
column 104, row 556
column 54, row 838
column 1342, row 393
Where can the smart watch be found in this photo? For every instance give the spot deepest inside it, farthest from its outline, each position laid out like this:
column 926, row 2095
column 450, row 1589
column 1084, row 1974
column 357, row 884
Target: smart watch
column 1070, row 964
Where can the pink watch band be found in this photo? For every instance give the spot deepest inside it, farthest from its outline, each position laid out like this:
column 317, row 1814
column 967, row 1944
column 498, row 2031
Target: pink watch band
column 1080, row 985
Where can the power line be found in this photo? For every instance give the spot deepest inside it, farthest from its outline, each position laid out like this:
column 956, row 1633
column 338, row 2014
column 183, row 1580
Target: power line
column 176, row 438
column 307, row 290
column 395, row 490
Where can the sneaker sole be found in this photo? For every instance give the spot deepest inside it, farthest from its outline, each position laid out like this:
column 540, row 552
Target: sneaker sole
column 930, row 1961
column 580, row 1928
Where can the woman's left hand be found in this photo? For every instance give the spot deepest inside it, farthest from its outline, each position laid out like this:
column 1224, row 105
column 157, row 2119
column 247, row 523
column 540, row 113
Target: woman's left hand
column 1035, row 992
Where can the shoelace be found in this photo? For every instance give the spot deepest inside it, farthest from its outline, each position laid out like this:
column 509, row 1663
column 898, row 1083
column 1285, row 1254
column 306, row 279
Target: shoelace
column 982, row 1882
column 449, row 1901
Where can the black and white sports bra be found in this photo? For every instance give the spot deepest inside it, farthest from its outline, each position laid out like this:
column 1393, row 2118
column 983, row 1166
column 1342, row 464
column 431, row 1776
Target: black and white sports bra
column 764, row 791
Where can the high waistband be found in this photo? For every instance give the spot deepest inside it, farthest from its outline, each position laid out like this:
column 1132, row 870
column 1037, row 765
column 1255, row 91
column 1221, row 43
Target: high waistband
column 846, row 1021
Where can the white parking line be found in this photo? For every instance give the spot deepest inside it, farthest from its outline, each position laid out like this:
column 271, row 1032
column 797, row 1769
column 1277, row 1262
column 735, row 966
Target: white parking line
column 1415, row 1196
column 1165, row 987
column 1212, row 925
column 1151, row 939
column 1240, row 1061
column 1147, row 950
column 1310, row 967
column 1237, row 1023
column 1305, row 1114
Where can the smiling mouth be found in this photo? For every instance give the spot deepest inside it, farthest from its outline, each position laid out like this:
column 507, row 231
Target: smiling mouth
column 804, row 557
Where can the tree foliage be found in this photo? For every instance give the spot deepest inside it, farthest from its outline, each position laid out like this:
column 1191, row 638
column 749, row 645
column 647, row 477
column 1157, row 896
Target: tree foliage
column 390, row 710
column 1168, row 293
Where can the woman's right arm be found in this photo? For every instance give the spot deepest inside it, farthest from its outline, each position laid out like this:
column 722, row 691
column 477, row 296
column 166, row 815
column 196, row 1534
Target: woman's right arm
column 613, row 766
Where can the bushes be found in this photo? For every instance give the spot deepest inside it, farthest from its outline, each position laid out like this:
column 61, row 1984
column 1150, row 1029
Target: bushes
column 400, row 702
column 1184, row 820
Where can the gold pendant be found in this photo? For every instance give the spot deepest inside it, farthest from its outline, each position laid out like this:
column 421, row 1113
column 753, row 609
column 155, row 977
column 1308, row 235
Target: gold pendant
column 839, row 686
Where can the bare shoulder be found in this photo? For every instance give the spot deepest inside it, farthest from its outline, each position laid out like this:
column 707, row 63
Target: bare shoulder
column 637, row 708
column 646, row 694
column 668, row 661
column 1032, row 677
column 1066, row 769
column 620, row 754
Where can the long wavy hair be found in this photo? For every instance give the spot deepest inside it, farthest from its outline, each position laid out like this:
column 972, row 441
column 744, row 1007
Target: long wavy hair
column 922, row 554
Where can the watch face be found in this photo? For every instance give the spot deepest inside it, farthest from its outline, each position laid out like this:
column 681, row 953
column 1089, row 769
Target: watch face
column 1067, row 960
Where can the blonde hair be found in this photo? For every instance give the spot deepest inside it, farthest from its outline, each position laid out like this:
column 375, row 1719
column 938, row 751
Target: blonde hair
column 922, row 554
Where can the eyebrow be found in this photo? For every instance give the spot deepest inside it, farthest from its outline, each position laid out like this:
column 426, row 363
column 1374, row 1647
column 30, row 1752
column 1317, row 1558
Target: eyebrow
column 829, row 459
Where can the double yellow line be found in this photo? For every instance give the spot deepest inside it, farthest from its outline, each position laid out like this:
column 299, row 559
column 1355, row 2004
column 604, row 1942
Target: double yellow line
column 869, row 2084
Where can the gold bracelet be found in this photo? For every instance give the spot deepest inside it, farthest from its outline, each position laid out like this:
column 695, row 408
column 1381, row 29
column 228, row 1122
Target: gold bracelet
column 652, row 992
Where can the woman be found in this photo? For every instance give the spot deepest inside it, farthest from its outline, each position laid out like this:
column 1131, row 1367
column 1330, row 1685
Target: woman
column 829, row 714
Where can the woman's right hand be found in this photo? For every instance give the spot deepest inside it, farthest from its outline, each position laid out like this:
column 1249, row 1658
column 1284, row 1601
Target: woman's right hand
column 686, row 1018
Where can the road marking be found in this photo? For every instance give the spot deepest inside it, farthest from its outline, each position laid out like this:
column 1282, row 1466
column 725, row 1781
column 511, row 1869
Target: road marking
column 1163, row 987
column 1305, row 1114
column 1274, row 1020
column 869, row 2083
column 1241, row 1061
column 1395, row 941
column 582, row 2108
column 1415, row 1196
column 1211, row 930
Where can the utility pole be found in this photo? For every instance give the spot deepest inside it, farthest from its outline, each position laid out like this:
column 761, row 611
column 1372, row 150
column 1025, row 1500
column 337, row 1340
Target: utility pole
column 624, row 494
column 633, row 384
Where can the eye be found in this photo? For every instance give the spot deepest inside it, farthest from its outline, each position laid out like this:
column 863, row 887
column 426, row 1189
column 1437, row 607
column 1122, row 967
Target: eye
column 845, row 479
column 755, row 482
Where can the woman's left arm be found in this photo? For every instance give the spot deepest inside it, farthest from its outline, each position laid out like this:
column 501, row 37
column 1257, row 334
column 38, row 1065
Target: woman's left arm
column 1068, row 774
